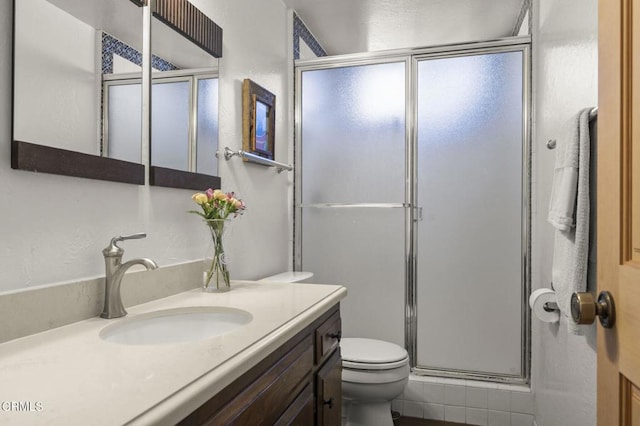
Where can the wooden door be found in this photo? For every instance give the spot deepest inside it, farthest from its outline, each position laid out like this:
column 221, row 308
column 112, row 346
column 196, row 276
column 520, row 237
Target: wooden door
column 619, row 209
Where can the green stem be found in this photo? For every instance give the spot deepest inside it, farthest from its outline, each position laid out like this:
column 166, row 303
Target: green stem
column 218, row 264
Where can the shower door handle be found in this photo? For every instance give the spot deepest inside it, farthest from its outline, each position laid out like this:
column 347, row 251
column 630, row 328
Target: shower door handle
column 417, row 215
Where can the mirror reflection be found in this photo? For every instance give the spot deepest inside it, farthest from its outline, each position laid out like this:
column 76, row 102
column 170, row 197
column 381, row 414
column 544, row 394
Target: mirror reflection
column 62, row 49
column 184, row 106
column 184, row 112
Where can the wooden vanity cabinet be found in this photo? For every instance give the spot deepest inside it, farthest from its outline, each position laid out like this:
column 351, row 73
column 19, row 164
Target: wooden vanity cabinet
column 300, row 383
column 329, row 391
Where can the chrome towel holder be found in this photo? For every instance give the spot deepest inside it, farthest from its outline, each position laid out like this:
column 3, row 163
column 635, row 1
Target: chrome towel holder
column 253, row 158
column 551, row 143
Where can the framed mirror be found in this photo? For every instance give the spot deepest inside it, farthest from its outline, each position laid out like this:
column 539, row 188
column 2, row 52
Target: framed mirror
column 62, row 50
column 184, row 110
column 184, row 103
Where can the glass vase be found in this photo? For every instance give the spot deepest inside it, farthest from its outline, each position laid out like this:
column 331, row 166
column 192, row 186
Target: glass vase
column 215, row 275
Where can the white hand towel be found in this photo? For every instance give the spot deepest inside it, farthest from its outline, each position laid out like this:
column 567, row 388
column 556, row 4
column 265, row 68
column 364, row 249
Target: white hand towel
column 571, row 188
column 565, row 179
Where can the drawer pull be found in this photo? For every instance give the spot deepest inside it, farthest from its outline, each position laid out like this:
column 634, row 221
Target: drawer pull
column 336, row 335
column 329, row 402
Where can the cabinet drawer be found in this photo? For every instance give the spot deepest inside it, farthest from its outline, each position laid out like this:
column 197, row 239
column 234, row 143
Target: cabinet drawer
column 328, row 336
column 300, row 412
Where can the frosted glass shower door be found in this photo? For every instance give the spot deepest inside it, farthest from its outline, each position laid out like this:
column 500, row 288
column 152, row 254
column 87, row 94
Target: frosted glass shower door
column 207, row 126
column 351, row 191
column 124, row 124
column 171, row 106
column 470, row 257
column 184, row 121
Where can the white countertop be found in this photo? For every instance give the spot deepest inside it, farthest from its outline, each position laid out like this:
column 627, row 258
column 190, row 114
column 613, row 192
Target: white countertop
column 70, row 376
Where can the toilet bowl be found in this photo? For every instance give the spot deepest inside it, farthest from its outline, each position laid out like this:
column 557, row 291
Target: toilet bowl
column 374, row 372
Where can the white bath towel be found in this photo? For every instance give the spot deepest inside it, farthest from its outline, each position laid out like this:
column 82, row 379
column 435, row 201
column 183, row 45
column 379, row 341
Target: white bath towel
column 569, row 214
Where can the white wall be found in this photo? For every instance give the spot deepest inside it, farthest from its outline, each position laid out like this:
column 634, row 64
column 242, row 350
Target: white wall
column 53, row 228
column 256, row 46
column 565, row 81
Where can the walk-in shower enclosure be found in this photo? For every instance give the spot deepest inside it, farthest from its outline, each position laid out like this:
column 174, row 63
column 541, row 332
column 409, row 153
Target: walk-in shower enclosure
column 412, row 190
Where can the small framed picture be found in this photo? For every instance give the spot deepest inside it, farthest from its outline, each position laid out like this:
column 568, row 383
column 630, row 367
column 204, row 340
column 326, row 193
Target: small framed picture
column 258, row 120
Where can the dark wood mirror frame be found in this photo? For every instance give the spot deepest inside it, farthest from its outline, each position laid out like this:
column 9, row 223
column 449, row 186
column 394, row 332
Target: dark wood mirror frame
column 45, row 159
column 171, row 178
column 184, row 18
column 41, row 158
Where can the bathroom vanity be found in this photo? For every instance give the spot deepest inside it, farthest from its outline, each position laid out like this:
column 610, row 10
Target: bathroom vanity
column 282, row 367
column 299, row 383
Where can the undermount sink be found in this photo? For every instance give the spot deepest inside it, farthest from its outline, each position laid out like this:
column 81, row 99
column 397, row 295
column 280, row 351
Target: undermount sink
column 176, row 325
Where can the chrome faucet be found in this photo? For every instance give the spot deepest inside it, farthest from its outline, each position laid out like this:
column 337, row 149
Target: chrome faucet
column 115, row 269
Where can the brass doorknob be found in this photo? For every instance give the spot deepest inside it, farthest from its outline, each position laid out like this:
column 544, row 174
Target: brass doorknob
column 584, row 309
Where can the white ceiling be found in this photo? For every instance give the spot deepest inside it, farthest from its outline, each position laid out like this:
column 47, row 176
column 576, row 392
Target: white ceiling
column 353, row 26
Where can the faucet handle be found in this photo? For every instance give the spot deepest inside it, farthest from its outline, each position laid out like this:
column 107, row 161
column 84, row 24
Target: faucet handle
column 136, row 236
column 113, row 250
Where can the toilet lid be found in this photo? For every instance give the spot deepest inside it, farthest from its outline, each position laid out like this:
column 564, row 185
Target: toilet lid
column 371, row 354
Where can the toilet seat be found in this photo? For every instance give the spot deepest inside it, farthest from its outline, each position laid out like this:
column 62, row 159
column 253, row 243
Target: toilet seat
column 373, row 374
column 371, row 354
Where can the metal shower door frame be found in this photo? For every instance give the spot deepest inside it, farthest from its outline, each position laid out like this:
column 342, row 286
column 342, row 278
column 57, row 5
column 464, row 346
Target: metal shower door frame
column 411, row 58
column 411, row 317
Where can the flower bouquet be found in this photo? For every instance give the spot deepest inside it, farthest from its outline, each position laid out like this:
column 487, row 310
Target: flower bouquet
column 217, row 210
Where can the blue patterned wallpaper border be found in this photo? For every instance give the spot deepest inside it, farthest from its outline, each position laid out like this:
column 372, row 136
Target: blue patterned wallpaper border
column 300, row 31
column 112, row 46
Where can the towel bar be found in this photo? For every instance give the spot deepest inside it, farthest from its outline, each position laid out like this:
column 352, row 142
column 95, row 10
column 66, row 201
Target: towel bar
column 228, row 153
column 551, row 143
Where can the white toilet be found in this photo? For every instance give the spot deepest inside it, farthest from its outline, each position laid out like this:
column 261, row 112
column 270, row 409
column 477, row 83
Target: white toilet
column 374, row 372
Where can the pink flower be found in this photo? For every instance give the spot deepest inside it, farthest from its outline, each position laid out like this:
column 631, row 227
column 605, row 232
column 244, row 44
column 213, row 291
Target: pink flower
column 216, row 204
